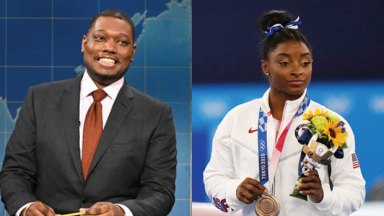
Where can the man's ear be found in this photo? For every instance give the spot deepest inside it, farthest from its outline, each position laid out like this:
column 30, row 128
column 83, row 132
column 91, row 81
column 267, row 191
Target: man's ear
column 134, row 48
column 83, row 43
column 134, row 51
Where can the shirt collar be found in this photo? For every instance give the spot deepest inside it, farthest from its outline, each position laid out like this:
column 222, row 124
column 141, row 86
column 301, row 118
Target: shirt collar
column 88, row 86
column 293, row 105
column 290, row 105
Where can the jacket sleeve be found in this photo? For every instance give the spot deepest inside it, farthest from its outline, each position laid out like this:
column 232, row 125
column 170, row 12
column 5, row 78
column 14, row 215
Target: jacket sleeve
column 219, row 176
column 348, row 191
column 18, row 175
column 156, row 196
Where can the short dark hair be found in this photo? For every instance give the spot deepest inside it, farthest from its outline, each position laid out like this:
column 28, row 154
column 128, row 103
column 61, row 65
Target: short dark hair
column 116, row 14
column 269, row 43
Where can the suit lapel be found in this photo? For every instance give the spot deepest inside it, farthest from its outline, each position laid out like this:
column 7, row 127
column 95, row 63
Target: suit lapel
column 70, row 111
column 120, row 110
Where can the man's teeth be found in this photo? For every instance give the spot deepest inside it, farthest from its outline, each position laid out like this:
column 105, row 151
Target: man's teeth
column 107, row 60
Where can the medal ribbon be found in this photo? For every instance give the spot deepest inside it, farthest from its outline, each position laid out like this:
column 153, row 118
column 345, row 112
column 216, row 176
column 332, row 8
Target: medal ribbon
column 263, row 145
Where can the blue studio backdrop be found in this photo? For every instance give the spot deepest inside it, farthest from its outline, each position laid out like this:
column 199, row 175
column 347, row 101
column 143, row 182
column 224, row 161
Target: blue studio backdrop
column 40, row 41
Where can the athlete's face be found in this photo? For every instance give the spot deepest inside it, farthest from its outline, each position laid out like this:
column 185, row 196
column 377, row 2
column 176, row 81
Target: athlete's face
column 289, row 69
column 108, row 50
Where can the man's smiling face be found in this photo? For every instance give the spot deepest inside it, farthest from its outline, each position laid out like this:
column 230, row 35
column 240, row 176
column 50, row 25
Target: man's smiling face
column 108, row 50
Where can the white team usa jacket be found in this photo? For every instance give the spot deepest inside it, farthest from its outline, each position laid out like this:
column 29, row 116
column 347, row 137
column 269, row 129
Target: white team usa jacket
column 235, row 157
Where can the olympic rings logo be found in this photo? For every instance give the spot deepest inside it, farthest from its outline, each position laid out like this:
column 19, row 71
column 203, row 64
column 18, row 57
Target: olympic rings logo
column 261, row 145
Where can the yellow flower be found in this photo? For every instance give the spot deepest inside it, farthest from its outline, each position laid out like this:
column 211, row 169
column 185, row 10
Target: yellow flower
column 318, row 112
column 335, row 133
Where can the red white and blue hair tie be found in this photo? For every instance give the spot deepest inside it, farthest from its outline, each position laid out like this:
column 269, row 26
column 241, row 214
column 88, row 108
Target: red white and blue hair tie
column 277, row 27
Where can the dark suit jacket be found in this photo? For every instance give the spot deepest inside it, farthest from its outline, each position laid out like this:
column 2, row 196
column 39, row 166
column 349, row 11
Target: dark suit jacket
column 134, row 164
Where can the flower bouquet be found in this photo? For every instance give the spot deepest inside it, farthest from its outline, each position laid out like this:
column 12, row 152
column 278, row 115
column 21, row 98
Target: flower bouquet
column 324, row 136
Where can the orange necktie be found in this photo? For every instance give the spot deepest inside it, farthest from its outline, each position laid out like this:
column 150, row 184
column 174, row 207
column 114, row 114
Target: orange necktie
column 93, row 127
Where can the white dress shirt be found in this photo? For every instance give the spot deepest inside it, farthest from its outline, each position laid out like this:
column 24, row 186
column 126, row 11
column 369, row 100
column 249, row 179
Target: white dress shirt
column 87, row 86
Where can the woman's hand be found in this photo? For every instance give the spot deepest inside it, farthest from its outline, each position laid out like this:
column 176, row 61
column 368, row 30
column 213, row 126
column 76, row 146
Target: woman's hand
column 311, row 186
column 249, row 190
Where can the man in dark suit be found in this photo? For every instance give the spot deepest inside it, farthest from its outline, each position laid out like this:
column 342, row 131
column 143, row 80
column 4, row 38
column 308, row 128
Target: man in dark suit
column 134, row 165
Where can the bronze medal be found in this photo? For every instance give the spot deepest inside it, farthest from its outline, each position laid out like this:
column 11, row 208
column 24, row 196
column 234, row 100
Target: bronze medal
column 267, row 205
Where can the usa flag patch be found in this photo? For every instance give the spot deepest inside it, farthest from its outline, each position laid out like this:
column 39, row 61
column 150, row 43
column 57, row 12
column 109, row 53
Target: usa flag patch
column 355, row 161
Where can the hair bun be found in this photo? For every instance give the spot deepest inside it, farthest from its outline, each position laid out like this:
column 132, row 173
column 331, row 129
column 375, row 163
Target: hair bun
column 273, row 17
column 279, row 26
